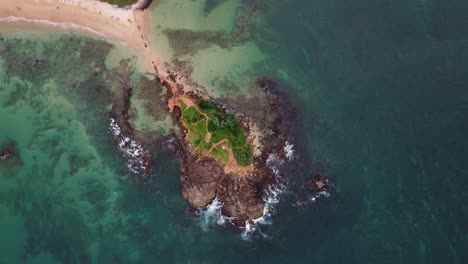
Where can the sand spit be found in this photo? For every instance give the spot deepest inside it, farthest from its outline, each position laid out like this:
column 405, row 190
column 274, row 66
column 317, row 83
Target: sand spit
column 129, row 25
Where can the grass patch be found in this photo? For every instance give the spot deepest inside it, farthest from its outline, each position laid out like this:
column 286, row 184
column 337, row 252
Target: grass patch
column 221, row 153
column 243, row 155
column 222, row 126
column 184, row 106
column 192, row 115
column 120, row 3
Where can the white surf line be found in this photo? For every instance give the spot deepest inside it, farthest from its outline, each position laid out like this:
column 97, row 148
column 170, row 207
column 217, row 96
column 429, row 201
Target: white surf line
column 63, row 25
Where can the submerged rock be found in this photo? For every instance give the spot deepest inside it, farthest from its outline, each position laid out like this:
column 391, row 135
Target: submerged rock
column 10, row 161
column 317, row 183
column 6, row 153
column 143, row 4
column 192, row 211
column 137, row 157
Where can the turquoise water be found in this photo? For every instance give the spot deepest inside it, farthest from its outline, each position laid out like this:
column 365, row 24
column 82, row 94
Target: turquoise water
column 380, row 89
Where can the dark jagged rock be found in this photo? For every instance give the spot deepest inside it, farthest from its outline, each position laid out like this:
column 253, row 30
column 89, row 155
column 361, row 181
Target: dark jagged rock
column 144, row 4
column 138, row 159
column 318, row 183
column 10, row 160
column 200, row 180
column 192, row 211
column 6, row 153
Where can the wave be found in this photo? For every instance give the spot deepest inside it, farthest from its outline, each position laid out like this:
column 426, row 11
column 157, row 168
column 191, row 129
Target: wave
column 289, row 150
column 271, row 199
column 136, row 156
column 212, row 215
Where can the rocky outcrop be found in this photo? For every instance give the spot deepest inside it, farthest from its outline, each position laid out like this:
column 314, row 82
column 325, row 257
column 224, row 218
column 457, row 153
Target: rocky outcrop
column 243, row 198
column 241, row 192
column 203, row 179
column 200, row 179
column 143, row 4
column 6, row 153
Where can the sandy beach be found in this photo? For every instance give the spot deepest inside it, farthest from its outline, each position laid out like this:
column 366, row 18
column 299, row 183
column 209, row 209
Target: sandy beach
column 88, row 16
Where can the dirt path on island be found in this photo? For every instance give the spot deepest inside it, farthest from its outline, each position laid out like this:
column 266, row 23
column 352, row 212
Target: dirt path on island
column 232, row 162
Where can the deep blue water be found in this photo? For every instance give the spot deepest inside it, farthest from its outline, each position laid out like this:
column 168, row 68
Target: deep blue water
column 383, row 90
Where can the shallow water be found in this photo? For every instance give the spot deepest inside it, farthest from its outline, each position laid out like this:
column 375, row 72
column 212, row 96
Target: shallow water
column 380, row 89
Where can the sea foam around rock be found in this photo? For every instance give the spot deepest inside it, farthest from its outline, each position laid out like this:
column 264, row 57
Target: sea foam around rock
column 135, row 155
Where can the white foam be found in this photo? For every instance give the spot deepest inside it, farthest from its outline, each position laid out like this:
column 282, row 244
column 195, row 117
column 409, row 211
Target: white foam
column 289, row 150
column 133, row 152
column 274, row 162
column 212, row 215
column 248, row 231
column 271, row 198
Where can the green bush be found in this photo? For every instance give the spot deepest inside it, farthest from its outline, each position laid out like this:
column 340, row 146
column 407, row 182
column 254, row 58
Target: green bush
column 120, row 3
column 220, row 152
column 222, row 126
column 192, row 115
column 243, row 155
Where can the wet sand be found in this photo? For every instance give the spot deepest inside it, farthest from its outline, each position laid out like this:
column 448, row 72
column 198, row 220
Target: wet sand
column 88, row 16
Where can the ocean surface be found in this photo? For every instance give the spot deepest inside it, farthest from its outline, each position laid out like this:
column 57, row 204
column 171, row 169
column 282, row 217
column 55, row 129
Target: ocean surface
column 381, row 92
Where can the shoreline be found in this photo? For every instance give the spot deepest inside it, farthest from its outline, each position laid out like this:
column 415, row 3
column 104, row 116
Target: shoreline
column 86, row 16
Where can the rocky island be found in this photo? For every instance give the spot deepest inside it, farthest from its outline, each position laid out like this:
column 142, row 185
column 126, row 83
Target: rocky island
column 225, row 152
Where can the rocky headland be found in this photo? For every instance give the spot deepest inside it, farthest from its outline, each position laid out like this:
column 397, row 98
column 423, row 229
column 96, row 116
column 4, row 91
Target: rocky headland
column 240, row 189
column 213, row 166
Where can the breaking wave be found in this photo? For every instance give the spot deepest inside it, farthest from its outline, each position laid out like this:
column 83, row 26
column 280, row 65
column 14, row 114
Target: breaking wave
column 289, row 150
column 137, row 158
column 271, row 198
column 212, row 215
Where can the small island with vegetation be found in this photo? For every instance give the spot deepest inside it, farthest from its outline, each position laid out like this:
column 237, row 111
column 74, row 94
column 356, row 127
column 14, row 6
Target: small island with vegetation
column 213, row 132
column 224, row 152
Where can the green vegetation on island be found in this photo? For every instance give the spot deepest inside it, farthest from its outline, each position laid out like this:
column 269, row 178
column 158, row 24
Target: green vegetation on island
column 120, row 3
column 211, row 130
